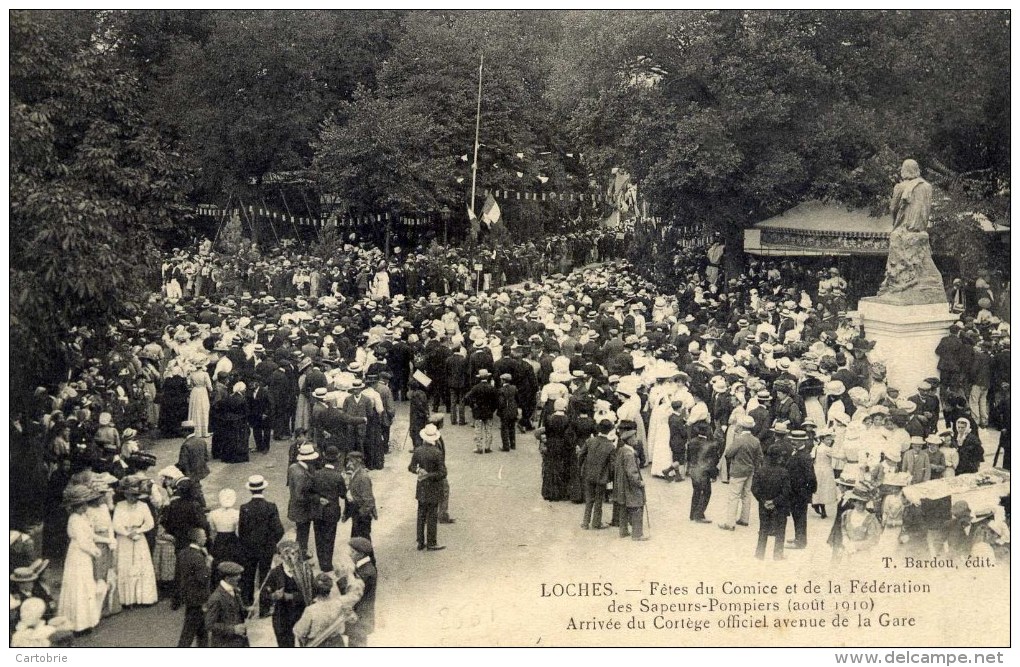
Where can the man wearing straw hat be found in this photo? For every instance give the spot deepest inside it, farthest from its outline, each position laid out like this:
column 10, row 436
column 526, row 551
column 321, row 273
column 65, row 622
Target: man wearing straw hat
column 259, row 529
column 302, row 494
column 427, row 463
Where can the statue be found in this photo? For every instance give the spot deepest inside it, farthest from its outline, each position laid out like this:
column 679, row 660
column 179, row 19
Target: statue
column 911, row 277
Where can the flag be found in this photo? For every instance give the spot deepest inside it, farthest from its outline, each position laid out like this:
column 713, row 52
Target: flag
column 490, row 211
column 464, row 157
column 543, row 179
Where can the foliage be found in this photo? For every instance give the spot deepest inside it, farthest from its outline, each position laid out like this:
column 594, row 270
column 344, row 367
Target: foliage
column 727, row 117
column 378, row 155
column 248, row 97
column 430, row 82
column 92, row 186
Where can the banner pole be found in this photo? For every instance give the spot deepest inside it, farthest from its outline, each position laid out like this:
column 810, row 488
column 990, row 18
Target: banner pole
column 478, row 123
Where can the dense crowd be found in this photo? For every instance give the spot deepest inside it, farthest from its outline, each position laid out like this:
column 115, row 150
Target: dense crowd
column 759, row 381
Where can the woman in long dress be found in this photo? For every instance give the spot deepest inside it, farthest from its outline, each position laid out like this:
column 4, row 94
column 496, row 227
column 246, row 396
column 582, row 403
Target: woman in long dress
column 861, row 530
column 105, row 564
column 136, row 577
column 892, row 513
column 234, row 422
column 825, row 493
column 557, row 453
column 660, row 399
column 79, row 593
column 164, row 554
column 198, row 401
column 173, row 403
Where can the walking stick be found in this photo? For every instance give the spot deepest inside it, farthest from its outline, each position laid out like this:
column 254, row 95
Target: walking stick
column 403, row 440
column 648, row 518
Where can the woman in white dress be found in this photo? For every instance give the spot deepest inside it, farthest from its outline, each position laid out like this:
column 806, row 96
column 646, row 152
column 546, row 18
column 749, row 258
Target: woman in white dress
column 660, row 398
column 825, row 492
column 79, row 601
column 105, row 565
column 136, row 577
column 198, row 401
column 381, row 283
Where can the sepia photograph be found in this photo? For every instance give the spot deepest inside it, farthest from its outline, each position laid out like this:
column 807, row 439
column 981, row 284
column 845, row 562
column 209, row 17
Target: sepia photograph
column 472, row 328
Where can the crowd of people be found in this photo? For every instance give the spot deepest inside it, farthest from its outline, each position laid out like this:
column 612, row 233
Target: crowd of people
column 758, row 381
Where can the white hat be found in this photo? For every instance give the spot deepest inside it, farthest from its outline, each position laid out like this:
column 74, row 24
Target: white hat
column 307, row 452
column 257, row 483
column 430, row 434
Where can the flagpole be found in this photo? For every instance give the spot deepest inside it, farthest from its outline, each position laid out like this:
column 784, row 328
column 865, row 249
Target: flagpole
column 478, row 122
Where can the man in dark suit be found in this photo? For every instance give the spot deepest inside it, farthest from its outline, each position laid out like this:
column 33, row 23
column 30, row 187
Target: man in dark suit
column 193, row 575
column 594, row 458
column 507, row 412
column 260, row 415
column 771, row 488
column 629, row 488
column 457, row 381
column 225, row 612
column 399, row 362
column 483, row 399
column 330, row 487
column 360, row 506
column 282, row 397
column 259, row 530
column 952, row 354
column 427, row 463
column 703, row 456
column 802, row 485
column 193, row 459
column 302, row 493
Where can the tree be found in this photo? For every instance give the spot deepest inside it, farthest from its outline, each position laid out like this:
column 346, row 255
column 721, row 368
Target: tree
column 92, row 187
column 248, row 96
column 727, row 117
column 378, row 155
column 432, row 71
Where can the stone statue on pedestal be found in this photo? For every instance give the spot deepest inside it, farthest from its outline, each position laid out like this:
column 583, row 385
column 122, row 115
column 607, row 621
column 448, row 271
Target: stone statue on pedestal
column 911, row 277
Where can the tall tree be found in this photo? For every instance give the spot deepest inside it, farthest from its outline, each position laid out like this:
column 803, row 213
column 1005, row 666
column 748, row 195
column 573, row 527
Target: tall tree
column 92, row 187
column 726, row 117
column 248, row 98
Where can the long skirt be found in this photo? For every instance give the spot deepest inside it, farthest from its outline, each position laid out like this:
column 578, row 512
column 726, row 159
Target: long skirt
column 555, row 476
column 105, row 570
column 164, row 556
column 173, row 406
column 198, row 410
column 136, row 577
column 235, row 447
column 79, row 593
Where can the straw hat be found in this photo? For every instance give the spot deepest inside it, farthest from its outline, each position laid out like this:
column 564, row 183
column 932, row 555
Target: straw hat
column 79, row 494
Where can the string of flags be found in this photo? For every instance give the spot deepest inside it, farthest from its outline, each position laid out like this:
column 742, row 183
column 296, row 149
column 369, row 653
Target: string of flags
column 519, row 170
column 254, row 213
column 546, row 196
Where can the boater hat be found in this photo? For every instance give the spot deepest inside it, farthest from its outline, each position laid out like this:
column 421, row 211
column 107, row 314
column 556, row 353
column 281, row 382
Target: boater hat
column 257, row 483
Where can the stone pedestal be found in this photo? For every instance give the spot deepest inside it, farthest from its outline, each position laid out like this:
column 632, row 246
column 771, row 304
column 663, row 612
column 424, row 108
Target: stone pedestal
column 905, row 338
